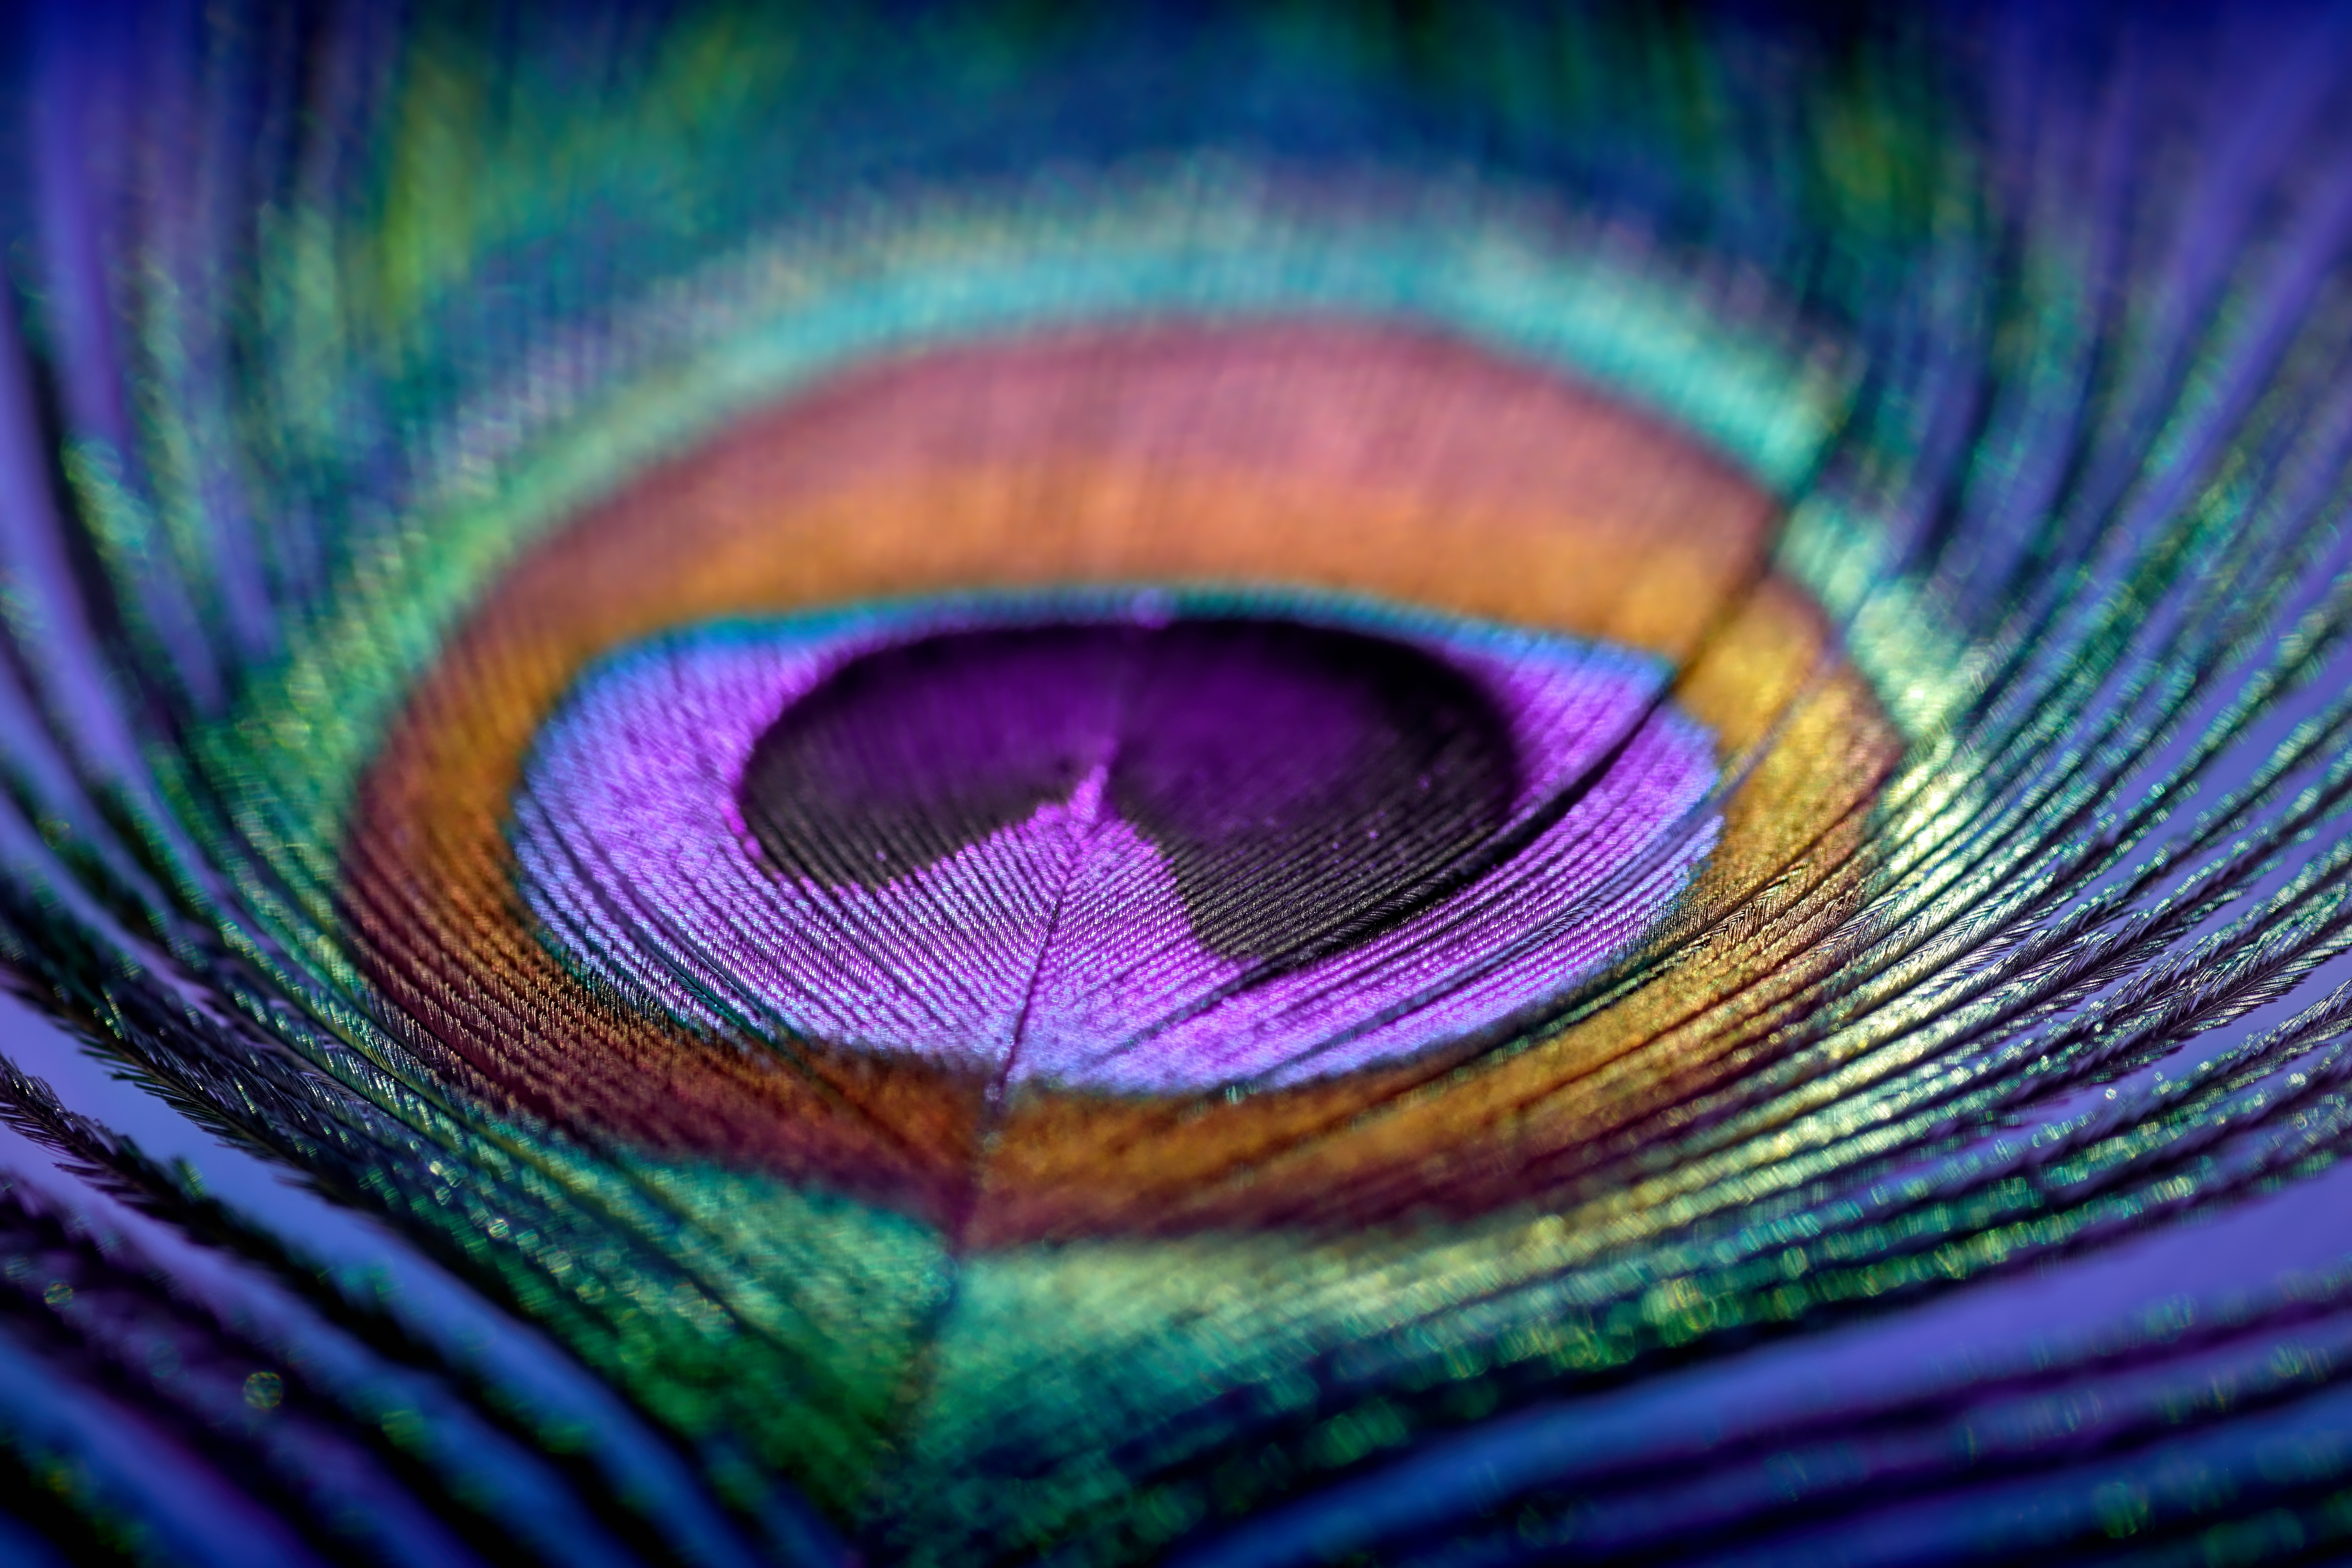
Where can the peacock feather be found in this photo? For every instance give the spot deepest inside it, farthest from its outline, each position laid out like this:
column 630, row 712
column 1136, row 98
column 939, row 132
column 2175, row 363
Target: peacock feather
column 1232, row 785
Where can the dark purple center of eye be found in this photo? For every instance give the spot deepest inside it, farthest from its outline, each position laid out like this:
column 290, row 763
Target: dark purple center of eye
column 1295, row 779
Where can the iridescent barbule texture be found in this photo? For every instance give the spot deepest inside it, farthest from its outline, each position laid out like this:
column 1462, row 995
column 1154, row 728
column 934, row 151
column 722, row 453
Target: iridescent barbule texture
column 1440, row 786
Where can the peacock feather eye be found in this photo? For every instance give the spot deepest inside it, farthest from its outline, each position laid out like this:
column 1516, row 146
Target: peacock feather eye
column 1163, row 823
column 981, row 783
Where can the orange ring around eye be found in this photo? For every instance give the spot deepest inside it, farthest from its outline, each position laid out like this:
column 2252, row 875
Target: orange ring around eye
column 1331, row 455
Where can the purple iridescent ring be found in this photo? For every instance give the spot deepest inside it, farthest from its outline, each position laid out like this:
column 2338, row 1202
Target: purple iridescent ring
column 1140, row 844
